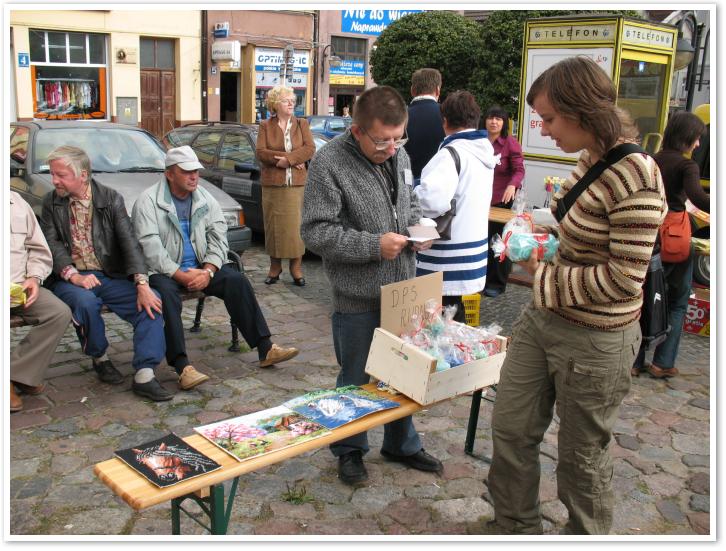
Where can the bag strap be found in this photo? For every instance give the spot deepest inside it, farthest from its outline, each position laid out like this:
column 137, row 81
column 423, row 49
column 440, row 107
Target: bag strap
column 612, row 157
column 455, row 156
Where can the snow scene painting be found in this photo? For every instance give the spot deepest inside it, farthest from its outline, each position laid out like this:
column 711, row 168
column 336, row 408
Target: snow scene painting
column 336, row 407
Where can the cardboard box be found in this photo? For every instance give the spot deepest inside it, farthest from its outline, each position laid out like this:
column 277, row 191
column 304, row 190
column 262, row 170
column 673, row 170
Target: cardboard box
column 410, row 370
column 698, row 313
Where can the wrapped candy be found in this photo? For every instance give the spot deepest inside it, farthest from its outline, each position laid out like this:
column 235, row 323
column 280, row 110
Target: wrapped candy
column 17, row 295
column 518, row 247
column 451, row 343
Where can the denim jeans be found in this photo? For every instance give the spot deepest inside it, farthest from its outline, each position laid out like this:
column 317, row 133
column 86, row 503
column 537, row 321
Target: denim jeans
column 120, row 297
column 678, row 276
column 352, row 336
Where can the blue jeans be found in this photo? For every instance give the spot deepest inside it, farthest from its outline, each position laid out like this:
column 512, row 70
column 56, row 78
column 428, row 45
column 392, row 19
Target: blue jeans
column 120, row 297
column 678, row 276
column 352, row 336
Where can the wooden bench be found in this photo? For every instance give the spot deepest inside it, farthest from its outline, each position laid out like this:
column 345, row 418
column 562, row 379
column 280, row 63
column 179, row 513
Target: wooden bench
column 208, row 490
column 18, row 321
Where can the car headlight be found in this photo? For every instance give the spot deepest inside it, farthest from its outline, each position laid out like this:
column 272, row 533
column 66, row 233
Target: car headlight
column 234, row 218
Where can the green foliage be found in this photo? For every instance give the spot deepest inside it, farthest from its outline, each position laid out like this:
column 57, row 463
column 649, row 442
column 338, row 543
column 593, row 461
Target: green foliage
column 495, row 77
column 442, row 40
column 297, row 495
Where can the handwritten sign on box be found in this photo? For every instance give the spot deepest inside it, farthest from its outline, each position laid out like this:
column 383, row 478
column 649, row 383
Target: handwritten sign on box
column 399, row 301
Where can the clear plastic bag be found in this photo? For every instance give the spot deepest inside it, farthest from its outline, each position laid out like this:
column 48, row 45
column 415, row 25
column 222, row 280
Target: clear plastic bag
column 518, row 246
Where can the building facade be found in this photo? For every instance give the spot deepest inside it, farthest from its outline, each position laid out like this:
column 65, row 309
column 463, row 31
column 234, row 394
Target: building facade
column 140, row 67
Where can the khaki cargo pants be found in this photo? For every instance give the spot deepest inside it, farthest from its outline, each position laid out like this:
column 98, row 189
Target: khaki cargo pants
column 586, row 373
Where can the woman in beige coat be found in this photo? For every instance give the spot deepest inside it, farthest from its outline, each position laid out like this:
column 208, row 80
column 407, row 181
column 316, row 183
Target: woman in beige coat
column 284, row 144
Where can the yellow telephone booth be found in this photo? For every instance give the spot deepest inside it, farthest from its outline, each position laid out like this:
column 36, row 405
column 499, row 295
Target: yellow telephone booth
column 638, row 56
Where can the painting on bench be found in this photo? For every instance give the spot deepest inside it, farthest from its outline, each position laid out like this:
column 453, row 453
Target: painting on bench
column 261, row 432
column 167, row 460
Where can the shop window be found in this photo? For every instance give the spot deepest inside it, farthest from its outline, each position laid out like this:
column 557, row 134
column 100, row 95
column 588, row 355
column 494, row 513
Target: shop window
column 68, row 73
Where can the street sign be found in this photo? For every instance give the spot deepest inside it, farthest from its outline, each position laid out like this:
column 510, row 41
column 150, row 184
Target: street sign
column 23, row 60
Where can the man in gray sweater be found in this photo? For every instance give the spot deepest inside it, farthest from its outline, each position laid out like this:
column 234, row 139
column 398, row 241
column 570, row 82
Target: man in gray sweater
column 358, row 203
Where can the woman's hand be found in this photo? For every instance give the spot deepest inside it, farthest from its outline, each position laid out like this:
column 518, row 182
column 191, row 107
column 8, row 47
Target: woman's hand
column 509, row 194
column 300, row 166
column 531, row 264
column 282, row 162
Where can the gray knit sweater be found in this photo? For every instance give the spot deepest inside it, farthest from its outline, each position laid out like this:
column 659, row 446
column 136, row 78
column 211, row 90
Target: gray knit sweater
column 346, row 209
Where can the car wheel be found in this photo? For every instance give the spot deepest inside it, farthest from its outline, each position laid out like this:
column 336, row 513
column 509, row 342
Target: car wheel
column 702, row 270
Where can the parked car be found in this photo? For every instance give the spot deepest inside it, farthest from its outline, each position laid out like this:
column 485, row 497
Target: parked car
column 126, row 158
column 329, row 126
column 228, row 153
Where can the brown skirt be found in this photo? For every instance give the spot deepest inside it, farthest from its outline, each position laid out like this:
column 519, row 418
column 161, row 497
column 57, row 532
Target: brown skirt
column 282, row 211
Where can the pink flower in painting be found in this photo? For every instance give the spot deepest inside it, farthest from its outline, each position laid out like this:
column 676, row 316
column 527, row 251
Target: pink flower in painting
column 232, row 432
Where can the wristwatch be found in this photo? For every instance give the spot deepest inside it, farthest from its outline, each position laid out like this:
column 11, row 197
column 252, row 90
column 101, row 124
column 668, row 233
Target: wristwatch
column 210, row 272
column 142, row 282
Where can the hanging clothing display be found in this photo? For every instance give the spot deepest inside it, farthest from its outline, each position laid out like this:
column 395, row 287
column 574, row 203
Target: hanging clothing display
column 67, row 96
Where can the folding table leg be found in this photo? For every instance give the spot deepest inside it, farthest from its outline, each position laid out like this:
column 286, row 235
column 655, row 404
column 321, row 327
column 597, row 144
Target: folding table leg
column 473, row 421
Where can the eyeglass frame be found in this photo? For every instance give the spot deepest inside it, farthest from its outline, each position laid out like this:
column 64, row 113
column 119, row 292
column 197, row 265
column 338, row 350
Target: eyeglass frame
column 383, row 145
column 289, row 101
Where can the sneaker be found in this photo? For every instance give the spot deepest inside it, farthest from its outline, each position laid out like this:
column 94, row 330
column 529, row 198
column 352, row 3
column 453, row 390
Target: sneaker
column 107, row 372
column 351, row 469
column 152, row 390
column 419, row 460
column 190, row 378
column 278, row 354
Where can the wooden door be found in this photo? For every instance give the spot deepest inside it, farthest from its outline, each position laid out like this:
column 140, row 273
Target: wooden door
column 151, row 101
column 158, row 101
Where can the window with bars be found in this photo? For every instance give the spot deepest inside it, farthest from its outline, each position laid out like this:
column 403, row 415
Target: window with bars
column 351, row 49
column 67, row 48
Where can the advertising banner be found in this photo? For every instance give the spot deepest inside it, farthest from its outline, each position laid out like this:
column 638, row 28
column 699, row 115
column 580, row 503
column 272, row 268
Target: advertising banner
column 370, row 22
column 348, row 72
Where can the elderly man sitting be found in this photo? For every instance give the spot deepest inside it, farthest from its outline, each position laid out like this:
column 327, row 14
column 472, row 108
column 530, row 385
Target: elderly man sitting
column 184, row 239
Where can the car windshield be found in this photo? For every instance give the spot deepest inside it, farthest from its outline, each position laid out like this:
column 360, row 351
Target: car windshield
column 109, row 149
column 317, row 125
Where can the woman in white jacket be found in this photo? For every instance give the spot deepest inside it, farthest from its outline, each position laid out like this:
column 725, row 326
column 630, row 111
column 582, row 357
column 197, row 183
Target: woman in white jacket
column 462, row 258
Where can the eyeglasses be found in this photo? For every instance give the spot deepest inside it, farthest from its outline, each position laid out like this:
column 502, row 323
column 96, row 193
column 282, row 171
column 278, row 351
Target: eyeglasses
column 383, row 145
column 289, row 101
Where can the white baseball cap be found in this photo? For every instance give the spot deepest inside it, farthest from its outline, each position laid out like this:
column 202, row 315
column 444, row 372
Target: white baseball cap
column 183, row 156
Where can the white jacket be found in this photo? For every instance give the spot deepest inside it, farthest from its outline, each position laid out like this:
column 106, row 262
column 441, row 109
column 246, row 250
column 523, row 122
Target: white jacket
column 463, row 259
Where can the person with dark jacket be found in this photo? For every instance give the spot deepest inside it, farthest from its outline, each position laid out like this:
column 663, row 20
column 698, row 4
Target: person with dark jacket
column 97, row 261
column 681, row 178
column 425, row 128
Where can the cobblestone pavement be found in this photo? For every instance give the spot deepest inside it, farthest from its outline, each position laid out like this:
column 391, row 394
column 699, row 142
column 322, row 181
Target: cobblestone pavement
column 661, row 448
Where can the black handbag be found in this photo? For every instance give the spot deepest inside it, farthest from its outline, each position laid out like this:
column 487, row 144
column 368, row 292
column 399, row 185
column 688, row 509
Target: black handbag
column 443, row 222
column 654, row 315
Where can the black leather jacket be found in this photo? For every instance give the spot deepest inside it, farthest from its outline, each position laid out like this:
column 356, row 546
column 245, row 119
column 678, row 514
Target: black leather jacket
column 115, row 244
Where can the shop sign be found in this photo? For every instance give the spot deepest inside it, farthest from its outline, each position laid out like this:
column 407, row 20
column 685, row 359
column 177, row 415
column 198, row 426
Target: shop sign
column 226, row 50
column 268, row 79
column 573, row 33
column 370, row 22
column 348, row 72
column 270, row 59
column 647, row 37
column 23, row 60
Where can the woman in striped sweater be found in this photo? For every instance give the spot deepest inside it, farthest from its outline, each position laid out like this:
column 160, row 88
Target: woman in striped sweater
column 575, row 343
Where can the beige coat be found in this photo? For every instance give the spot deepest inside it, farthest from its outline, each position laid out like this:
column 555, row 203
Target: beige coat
column 271, row 143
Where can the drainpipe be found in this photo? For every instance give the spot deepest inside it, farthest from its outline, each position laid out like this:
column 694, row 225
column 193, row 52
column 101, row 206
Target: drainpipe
column 316, row 34
column 205, row 33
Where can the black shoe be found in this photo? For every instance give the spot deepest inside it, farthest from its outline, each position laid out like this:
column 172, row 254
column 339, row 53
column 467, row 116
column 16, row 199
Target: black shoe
column 299, row 281
column 491, row 293
column 351, row 469
column 269, row 280
column 419, row 460
column 152, row 390
column 107, row 372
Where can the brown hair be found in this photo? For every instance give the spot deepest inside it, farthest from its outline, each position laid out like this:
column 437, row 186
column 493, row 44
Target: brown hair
column 682, row 131
column 461, row 110
column 380, row 102
column 582, row 92
column 425, row 81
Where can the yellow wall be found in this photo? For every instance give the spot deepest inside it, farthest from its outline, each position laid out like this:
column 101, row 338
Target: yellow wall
column 124, row 29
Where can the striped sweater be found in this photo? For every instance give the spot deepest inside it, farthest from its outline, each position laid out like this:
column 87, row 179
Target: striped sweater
column 606, row 241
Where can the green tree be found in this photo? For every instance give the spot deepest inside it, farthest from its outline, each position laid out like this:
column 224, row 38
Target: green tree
column 495, row 77
column 438, row 39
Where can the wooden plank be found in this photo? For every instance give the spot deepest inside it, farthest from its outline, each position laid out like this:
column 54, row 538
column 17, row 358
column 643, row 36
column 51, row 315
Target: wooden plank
column 500, row 215
column 140, row 494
